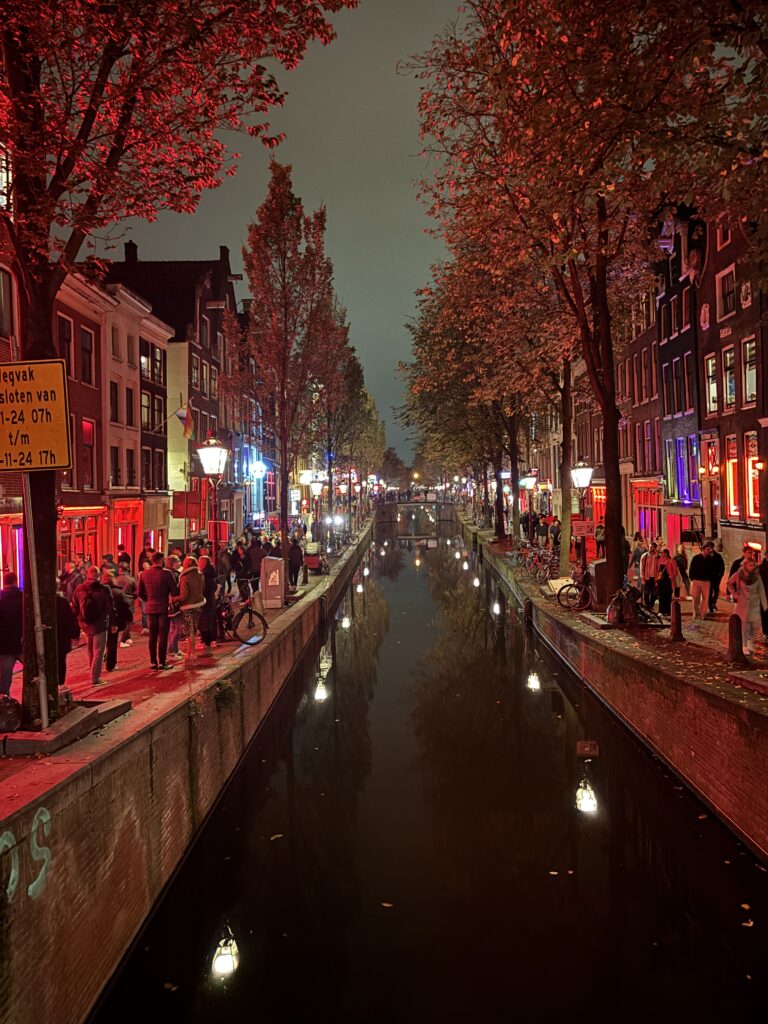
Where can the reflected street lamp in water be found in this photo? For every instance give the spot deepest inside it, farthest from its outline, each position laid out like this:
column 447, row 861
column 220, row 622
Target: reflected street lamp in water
column 226, row 959
column 533, row 681
column 586, row 801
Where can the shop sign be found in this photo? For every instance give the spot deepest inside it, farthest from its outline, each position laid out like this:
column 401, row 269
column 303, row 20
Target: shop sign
column 34, row 416
column 186, row 505
column 582, row 528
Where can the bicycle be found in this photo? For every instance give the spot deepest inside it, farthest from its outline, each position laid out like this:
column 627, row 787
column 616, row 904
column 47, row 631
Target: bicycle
column 247, row 625
column 577, row 595
column 626, row 607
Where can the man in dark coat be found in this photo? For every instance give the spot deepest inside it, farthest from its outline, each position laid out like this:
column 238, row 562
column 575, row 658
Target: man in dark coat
column 295, row 562
column 67, row 630
column 11, row 630
column 156, row 587
column 92, row 604
column 256, row 555
column 716, row 567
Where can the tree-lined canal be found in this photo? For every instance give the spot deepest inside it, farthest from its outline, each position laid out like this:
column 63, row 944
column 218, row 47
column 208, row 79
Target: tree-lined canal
column 436, row 823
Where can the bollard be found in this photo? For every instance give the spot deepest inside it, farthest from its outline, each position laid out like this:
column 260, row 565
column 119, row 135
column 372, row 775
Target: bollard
column 735, row 654
column 304, row 574
column 676, row 622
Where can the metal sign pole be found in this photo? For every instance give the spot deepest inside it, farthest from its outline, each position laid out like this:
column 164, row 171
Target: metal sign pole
column 39, row 627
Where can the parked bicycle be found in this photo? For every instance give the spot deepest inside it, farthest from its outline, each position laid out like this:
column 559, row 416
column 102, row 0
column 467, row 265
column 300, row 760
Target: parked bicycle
column 247, row 625
column 577, row 595
column 626, row 607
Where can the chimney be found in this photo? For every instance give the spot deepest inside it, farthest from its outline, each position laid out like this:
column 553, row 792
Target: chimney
column 131, row 252
column 224, row 254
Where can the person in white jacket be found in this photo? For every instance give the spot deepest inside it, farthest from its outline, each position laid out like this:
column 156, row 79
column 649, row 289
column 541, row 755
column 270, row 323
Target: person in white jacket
column 748, row 592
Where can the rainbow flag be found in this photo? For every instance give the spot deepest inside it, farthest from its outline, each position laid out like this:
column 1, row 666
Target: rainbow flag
column 184, row 413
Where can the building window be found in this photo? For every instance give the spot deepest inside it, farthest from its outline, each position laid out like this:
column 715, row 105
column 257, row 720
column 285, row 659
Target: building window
column 748, row 371
column 114, row 401
column 753, row 474
column 89, row 455
column 146, row 366
column 644, row 373
column 729, row 377
column 64, row 335
column 688, row 365
column 693, row 466
column 205, row 331
column 656, row 444
column 131, row 350
column 159, row 469
column 666, row 387
column 732, row 476
column 686, row 308
column 204, row 425
column 195, row 372
column 114, row 465
column 647, row 446
column 677, row 381
column 664, row 323
column 129, row 413
column 86, row 356
column 639, row 467
column 158, row 369
column 723, row 235
column 115, row 343
column 146, row 469
column 214, row 382
column 204, row 378
column 68, row 478
column 130, row 467
column 6, row 303
column 725, row 285
column 158, row 414
column 710, row 369
column 681, row 454
column 670, row 471
column 214, row 425
column 219, row 343
column 654, row 371
column 673, row 316
column 146, row 414
column 635, row 380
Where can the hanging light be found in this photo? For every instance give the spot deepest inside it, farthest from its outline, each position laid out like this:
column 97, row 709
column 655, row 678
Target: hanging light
column 417, row 563
column 533, row 681
column 457, row 555
column 496, row 608
column 465, row 565
column 359, row 588
column 382, row 552
column 448, row 542
column 366, row 571
column 476, row 581
column 321, row 693
column 586, row 801
column 345, row 622
column 226, row 959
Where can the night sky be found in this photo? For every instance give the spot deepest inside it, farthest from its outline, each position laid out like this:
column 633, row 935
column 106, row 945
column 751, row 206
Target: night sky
column 352, row 139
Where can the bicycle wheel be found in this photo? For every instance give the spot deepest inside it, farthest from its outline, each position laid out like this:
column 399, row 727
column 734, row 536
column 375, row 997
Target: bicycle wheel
column 569, row 595
column 249, row 626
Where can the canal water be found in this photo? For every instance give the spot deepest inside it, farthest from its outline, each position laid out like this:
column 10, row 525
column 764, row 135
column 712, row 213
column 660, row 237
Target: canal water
column 436, row 823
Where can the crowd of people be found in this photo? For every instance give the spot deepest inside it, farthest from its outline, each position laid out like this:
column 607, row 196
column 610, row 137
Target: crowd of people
column 167, row 596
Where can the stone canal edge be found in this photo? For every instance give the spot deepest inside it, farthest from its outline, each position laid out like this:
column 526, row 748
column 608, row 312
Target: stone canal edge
column 711, row 734
column 90, row 836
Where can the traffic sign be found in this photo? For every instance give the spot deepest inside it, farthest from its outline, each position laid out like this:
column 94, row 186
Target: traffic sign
column 34, row 416
column 582, row 528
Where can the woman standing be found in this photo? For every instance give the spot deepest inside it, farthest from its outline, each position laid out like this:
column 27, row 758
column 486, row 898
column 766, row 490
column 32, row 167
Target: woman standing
column 682, row 564
column 190, row 600
column 639, row 547
column 208, row 615
column 746, row 588
column 667, row 579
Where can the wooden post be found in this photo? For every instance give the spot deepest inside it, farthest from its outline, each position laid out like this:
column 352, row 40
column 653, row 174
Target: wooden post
column 676, row 621
column 736, row 654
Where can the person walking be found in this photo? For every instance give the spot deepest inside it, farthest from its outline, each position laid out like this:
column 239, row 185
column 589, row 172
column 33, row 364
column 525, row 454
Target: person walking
column 667, row 579
column 156, row 587
column 126, row 584
column 11, row 630
column 256, row 555
column 700, row 576
column 208, row 631
column 600, row 539
column 190, row 601
column 92, row 604
column 145, row 562
column 649, row 567
column 173, row 564
column 119, row 618
column 224, row 568
column 67, row 630
column 717, row 571
column 639, row 548
column 746, row 588
column 69, row 580
column 682, row 565
column 123, row 558
column 554, row 532
column 295, row 562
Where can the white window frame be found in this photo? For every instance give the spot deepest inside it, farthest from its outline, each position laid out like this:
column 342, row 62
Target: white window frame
column 718, row 293
column 745, row 402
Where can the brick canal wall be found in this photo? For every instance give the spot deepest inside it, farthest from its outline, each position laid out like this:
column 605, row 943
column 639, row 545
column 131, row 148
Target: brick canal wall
column 712, row 741
column 89, row 837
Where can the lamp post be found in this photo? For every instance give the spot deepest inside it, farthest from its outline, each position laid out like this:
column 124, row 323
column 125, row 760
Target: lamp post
column 317, row 489
column 213, row 456
column 529, row 482
column 581, row 477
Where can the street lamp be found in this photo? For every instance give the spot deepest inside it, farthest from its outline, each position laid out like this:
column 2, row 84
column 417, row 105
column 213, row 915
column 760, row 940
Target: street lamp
column 581, row 477
column 316, row 487
column 213, row 456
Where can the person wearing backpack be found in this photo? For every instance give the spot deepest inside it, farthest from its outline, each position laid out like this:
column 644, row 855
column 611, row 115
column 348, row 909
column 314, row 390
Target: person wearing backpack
column 120, row 616
column 67, row 630
column 92, row 604
column 156, row 587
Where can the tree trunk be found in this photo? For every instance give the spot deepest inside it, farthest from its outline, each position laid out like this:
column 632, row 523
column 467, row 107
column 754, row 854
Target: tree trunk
column 499, row 501
column 486, row 495
column 566, row 458
column 38, row 343
column 514, row 465
column 613, row 535
column 284, row 490
column 330, row 498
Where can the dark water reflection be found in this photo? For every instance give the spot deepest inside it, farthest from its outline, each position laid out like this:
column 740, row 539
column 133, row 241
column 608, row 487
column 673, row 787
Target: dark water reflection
column 419, row 833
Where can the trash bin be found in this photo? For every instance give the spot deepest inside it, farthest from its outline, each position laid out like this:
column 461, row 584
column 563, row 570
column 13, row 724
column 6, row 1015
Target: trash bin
column 273, row 582
column 599, row 572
